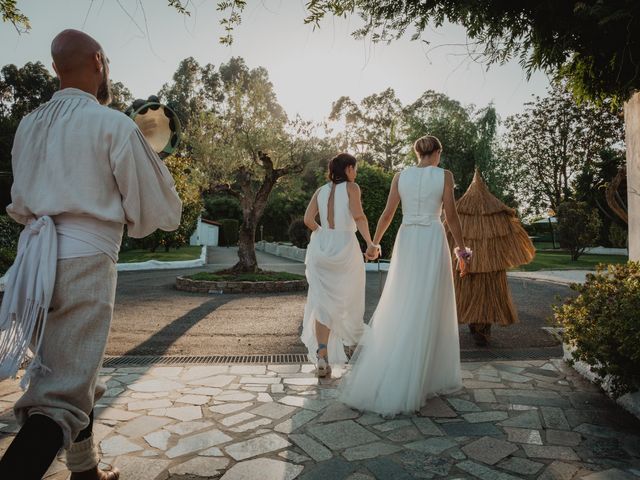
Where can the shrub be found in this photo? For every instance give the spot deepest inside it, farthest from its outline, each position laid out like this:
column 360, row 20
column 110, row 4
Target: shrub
column 222, row 206
column 541, row 231
column 618, row 236
column 9, row 234
column 601, row 323
column 7, row 256
column 375, row 184
column 299, row 233
column 530, row 228
column 578, row 227
column 189, row 181
column 286, row 203
column 230, row 229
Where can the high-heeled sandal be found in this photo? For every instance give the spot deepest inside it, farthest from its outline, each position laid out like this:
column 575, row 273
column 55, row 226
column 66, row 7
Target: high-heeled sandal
column 322, row 367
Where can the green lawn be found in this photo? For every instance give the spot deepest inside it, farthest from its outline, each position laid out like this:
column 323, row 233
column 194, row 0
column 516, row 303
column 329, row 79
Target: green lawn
column 183, row 253
column 246, row 277
column 562, row 261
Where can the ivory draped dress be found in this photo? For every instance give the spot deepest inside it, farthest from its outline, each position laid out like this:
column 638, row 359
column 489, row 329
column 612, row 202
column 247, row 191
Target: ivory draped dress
column 336, row 276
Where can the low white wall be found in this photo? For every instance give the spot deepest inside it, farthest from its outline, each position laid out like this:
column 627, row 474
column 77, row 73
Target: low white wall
column 299, row 254
column 285, row 251
column 149, row 265
column 158, row 265
column 607, row 251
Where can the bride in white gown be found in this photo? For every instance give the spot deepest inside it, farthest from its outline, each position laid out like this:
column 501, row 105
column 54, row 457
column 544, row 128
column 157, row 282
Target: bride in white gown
column 410, row 349
column 333, row 315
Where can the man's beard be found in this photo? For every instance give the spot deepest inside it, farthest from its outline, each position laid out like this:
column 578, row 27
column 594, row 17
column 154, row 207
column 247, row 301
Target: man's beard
column 104, row 90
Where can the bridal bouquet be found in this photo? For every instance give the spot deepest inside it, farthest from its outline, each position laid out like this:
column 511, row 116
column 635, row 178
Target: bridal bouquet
column 464, row 258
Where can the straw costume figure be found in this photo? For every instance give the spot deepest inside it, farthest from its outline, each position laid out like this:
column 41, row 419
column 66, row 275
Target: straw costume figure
column 499, row 242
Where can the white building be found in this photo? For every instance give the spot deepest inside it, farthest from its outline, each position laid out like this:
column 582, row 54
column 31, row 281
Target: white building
column 207, row 233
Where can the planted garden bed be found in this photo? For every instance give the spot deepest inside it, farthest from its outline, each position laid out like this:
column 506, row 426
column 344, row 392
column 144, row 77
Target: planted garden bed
column 228, row 282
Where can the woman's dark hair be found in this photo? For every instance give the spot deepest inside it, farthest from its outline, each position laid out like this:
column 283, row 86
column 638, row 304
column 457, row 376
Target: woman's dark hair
column 338, row 166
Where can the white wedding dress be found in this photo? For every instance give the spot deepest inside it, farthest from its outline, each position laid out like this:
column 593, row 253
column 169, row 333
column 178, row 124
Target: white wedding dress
column 336, row 277
column 410, row 350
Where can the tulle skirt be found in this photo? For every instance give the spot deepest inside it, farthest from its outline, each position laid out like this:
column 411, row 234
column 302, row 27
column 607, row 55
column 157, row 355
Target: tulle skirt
column 410, row 351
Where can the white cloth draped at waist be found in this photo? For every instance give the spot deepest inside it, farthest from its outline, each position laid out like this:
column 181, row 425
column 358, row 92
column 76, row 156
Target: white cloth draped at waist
column 424, row 220
column 83, row 236
column 29, row 287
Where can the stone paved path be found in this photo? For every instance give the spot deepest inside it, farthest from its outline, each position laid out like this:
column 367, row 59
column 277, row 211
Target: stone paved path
column 526, row 419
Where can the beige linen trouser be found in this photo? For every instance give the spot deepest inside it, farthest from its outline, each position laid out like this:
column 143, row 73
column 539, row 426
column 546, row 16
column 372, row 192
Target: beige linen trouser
column 72, row 349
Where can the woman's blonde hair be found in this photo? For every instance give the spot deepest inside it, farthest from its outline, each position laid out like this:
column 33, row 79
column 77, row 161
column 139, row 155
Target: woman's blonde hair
column 426, row 145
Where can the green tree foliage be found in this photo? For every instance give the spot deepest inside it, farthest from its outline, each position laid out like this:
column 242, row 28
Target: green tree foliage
column 230, row 227
column 121, row 97
column 194, row 89
column 9, row 234
column 287, row 202
column 10, row 13
column 299, row 233
column 382, row 131
column 375, row 184
column 554, row 140
column 619, row 236
column 22, row 89
column 189, row 181
column 590, row 187
column 247, row 144
column 291, row 196
column 374, row 127
column 217, row 207
column 8, row 127
column 578, row 227
column 593, row 45
column 602, row 325
column 467, row 136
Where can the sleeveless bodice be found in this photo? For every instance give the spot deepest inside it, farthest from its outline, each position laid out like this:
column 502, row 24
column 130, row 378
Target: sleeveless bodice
column 421, row 191
column 342, row 217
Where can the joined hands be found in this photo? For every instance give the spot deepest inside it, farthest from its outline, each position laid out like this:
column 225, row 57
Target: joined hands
column 373, row 252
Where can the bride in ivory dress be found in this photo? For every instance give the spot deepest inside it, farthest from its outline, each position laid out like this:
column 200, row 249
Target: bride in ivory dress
column 410, row 349
column 333, row 315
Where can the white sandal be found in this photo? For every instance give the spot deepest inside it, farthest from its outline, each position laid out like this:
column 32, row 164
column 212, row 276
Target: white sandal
column 323, row 368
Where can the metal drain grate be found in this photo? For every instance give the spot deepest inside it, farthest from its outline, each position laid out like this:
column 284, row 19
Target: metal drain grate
column 288, row 358
column 144, row 360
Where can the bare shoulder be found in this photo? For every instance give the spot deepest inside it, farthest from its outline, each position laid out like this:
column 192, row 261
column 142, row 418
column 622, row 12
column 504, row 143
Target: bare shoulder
column 448, row 176
column 353, row 187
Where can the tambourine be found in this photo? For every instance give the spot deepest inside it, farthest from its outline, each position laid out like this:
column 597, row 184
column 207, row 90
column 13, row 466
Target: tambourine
column 158, row 123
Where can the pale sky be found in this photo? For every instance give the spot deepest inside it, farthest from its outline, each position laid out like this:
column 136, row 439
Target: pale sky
column 309, row 69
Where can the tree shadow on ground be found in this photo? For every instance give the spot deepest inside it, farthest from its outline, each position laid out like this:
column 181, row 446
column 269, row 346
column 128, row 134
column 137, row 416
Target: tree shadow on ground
column 160, row 342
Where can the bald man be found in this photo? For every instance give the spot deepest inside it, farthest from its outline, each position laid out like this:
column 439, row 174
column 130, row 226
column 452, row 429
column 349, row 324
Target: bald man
column 81, row 172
